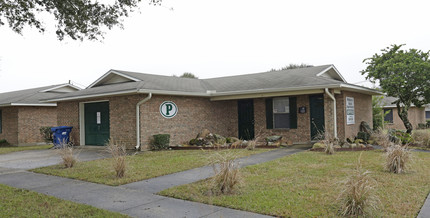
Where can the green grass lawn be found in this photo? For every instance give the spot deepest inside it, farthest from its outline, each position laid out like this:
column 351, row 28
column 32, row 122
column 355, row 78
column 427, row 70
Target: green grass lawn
column 4, row 150
column 139, row 167
column 307, row 184
column 23, row 203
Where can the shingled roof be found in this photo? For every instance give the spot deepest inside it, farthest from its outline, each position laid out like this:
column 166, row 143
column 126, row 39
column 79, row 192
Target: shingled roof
column 32, row 97
column 117, row 82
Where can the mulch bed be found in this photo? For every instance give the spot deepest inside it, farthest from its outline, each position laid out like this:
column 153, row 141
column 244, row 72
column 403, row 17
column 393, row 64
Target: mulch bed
column 215, row 148
column 344, row 149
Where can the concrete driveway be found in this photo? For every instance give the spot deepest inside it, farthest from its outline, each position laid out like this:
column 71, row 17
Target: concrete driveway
column 24, row 160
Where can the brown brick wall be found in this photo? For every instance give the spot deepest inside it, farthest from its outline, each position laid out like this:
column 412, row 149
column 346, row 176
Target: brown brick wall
column 341, row 115
column 363, row 112
column 68, row 115
column 415, row 116
column 194, row 114
column 328, row 114
column 30, row 119
column 21, row 124
column 301, row 134
column 9, row 124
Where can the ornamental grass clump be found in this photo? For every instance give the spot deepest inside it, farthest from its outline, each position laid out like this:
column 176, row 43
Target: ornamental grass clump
column 67, row 155
column 382, row 138
column 328, row 141
column 396, row 158
column 226, row 172
column 358, row 197
column 118, row 152
column 252, row 144
column 422, row 137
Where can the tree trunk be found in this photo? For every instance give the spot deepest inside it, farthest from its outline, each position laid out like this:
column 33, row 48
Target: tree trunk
column 403, row 114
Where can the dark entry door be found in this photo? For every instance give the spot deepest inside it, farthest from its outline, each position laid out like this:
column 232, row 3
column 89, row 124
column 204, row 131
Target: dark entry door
column 245, row 110
column 316, row 104
column 97, row 130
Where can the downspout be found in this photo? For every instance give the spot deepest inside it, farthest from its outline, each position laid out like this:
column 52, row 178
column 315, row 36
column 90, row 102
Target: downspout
column 138, row 119
column 334, row 111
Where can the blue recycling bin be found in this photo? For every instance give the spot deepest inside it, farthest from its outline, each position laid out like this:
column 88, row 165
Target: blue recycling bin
column 61, row 135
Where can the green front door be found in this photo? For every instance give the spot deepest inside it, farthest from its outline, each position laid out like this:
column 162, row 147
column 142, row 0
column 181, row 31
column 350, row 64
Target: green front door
column 316, row 104
column 245, row 110
column 97, row 130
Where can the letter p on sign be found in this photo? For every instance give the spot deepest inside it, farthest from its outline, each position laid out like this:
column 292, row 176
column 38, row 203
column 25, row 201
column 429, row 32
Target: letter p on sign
column 168, row 109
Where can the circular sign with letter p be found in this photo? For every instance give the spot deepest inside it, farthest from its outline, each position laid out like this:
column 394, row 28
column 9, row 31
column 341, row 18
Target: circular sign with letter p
column 168, row 109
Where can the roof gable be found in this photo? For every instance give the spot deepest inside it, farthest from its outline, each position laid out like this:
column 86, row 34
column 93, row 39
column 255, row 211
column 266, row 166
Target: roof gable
column 113, row 77
column 332, row 73
column 64, row 88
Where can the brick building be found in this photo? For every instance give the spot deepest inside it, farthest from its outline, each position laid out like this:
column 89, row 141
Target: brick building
column 416, row 115
column 296, row 104
column 22, row 114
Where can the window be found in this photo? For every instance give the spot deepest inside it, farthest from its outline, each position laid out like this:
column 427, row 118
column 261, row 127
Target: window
column 281, row 113
column 428, row 115
column 1, row 123
column 388, row 115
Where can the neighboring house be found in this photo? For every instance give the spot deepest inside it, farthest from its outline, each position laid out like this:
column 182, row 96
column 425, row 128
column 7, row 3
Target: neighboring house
column 392, row 120
column 22, row 114
column 297, row 104
column 428, row 112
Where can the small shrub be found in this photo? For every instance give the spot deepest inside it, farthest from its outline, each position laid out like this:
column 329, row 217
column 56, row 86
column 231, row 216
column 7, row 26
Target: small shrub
column 160, row 142
column 422, row 126
column 67, row 155
column 4, row 143
column 228, row 140
column 357, row 197
column 422, row 137
column 396, row 158
column 118, row 152
column 226, row 172
column 398, row 136
column 363, row 136
column 46, row 133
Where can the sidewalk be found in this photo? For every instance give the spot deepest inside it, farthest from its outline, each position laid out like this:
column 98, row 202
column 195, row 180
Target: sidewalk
column 138, row 199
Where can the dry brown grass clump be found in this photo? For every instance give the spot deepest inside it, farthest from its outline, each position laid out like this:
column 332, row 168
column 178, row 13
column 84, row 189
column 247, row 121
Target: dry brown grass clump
column 422, row 137
column 382, row 138
column 358, row 197
column 396, row 158
column 226, row 169
column 118, row 152
column 67, row 155
column 253, row 143
column 329, row 141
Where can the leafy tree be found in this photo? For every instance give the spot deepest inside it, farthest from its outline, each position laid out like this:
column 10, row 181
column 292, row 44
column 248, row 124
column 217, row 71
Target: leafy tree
column 401, row 74
column 188, row 75
column 378, row 117
column 292, row 66
column 77, row 19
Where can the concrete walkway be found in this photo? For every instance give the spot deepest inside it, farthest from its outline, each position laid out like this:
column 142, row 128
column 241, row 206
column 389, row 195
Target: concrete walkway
column 137, row 199
column 30, row 159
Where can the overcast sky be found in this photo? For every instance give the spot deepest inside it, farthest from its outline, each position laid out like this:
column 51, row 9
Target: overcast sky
column 219, row 38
